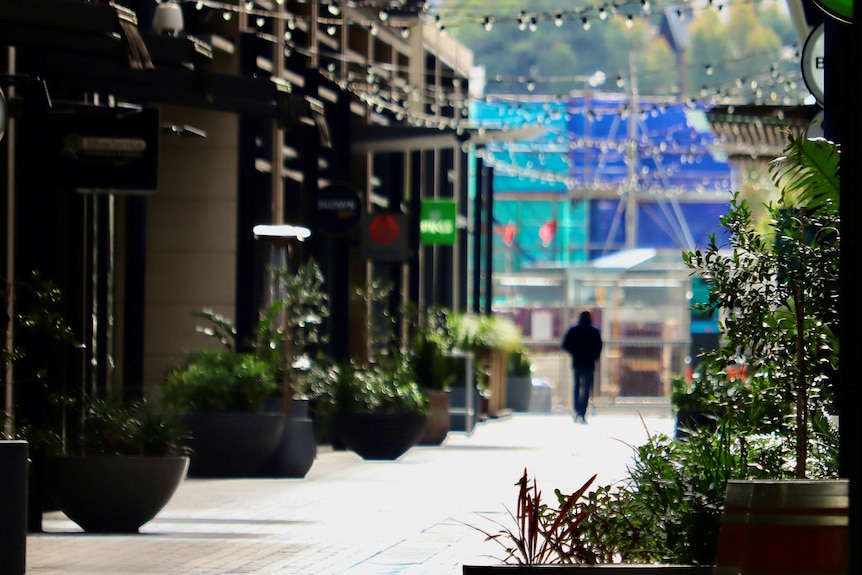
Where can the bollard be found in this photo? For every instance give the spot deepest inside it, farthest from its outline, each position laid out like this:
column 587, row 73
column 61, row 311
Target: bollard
column 13, row 507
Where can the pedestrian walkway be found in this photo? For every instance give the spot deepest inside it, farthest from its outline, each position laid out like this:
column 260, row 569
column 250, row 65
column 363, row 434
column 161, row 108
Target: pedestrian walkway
column 355, row 517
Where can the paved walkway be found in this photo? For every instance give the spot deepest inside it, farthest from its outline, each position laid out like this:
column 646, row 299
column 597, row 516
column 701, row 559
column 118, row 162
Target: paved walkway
column 355, row 517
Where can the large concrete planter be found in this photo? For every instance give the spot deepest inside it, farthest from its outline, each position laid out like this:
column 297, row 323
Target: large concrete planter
column 613, row 569
column 231, row 444
column 296, row 451
column 113, row 494
column 379, row 436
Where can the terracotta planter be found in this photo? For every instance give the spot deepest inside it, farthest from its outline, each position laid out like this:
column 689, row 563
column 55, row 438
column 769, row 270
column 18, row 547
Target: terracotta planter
column 231, row 444
column 113, row 494
column 765, row 525
column 437, row 425
column 379, row 436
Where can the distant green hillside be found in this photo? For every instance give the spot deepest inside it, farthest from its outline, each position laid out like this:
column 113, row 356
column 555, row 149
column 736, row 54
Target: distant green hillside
column 746, row 51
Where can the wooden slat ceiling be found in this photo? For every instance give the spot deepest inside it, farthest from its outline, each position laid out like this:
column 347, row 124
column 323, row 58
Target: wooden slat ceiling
column 754, row 132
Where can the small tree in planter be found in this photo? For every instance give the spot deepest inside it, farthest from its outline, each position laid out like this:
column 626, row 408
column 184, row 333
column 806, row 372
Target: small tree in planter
column 288, row 333
column 780, row 295
column 287, row 338
column 779, row 291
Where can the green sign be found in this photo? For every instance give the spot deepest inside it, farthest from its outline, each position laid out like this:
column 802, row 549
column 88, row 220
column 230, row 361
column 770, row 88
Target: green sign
column 437, row 221
column 840, row 9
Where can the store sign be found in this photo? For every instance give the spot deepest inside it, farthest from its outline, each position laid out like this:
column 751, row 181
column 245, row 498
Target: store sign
column 437, row 222
column 338, row 209
column 385, row 237
column 107, row 151
column 839, row 9
column 814, row 63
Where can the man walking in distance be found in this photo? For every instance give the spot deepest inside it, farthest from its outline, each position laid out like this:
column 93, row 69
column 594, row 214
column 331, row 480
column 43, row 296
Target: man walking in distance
column 584, row 343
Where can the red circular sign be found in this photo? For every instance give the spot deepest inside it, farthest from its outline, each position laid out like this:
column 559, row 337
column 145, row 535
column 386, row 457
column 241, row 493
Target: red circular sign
column 383, row 229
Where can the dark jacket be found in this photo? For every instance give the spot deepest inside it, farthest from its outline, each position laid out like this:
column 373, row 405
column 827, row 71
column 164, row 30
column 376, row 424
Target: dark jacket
column 584, row 344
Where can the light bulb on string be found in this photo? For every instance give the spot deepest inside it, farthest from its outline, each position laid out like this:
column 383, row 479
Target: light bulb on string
column 405, row 32
column 630, row 22
column 533, row 24
column 261, row 21
column 603, row 13
column 585, row 23
column 558, row 19
column 373, row 30
column 227, row 15
column 384, row 16
column 488, row 24
column 334, row 9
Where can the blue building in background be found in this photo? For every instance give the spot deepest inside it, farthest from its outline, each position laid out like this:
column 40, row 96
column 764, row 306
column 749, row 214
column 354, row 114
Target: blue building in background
column 605, row 175
column 592, row 211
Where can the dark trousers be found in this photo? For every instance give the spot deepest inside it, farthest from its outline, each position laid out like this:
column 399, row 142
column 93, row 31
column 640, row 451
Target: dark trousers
column 583, row 386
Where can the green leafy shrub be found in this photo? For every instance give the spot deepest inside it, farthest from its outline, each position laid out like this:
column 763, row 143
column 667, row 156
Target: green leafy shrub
column 219, row 380
column 134, row 430
column 386, row 386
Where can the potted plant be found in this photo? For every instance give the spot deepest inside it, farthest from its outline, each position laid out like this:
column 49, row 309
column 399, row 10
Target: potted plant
column 489, row 338
column 377, row 410
column 120, row 469
column 778, row 291
column 373, row 404
column 41, row 343
column 430, row 350
column 219, row 395
column 288, row 337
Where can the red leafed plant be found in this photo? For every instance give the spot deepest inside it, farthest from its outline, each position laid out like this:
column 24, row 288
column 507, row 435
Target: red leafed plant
column 543, row 534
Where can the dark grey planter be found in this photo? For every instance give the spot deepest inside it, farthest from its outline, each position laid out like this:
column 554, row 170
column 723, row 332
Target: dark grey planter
column 295, row 453
column 379, row 436
column 113, row 494
column 231, row 444
column 611, row 569
column 519, row 391
column 13, row 507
